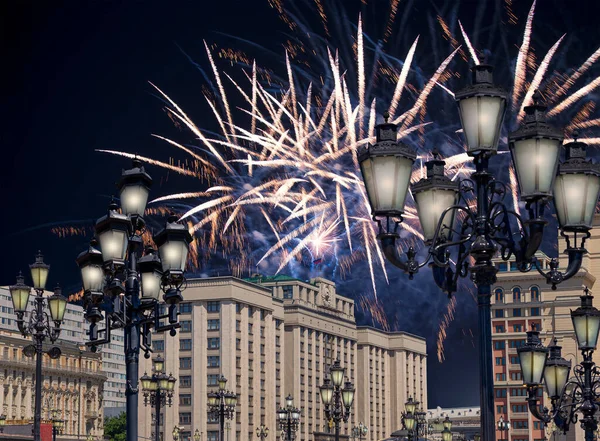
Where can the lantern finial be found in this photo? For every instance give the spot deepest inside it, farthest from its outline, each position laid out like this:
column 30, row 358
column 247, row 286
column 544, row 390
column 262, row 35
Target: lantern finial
column 386, row 116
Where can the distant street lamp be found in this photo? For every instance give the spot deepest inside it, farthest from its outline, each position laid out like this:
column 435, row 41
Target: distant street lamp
column 288, row 418
column 447, row 432
column 221, row 405
column 176, row 433
column 359, row 431
column 38, row 326
column 158, row 391
column 503, row 426
column 262, row 432
column 414, row 420
column 123, row 282
column 197, row 435
column 337, row 399
column 57, row 426
column 2, row 422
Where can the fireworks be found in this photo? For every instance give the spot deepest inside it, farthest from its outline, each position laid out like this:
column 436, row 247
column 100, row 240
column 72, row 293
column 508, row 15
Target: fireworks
column 279, row 186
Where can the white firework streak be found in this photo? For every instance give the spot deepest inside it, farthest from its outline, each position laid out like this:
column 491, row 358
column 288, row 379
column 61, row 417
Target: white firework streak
column 565, row 104
column 521, row 65
column 578, row 73
column 401, row 80
column 361, row 78
column 469, row 45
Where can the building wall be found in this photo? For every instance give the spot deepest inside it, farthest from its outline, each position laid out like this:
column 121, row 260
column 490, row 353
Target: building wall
column 279, row 336
column 73, row 384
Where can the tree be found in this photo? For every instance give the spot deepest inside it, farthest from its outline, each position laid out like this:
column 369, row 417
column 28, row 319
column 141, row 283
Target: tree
column 115, row 427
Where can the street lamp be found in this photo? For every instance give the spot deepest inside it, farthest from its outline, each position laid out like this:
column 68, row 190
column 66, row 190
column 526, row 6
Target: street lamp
column 288, row 418
column 122, row 281
column 359, row 431
column 337, row 399
column 197, row 435
column 38, row 326
column 262, row 432
column 57, row 425
column 221, row 404
column 176, row 432
column 158, row 390
column 502, row 425
column 488, row 226
column 414, row 420
column 580, row 393
column 2, row 422
column 447, row 432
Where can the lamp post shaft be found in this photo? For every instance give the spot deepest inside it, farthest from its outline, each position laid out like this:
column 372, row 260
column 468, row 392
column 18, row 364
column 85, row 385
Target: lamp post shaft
column 39, row 352
column 158, row 400
column 222, row 421
column 337, row 430
column 289, row 429
column 132, row 344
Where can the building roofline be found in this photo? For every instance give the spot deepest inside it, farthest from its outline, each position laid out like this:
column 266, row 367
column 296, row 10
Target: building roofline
column 390, row 333
column 199, row 280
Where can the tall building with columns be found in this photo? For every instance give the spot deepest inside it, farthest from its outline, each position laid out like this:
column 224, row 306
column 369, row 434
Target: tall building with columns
column 72, row 385
column 274, row 336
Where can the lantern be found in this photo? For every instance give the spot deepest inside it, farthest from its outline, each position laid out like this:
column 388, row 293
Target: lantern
column 289, row 401
column 433, row 195
column 326, row 392
column 348, row 394
column 39, row 272
column 19, row 293
column 411, row 405
column 57, row 304
column 222, row 382
column 158, row 363
column 446, row 435
column 151, row 274
column 532, row 357
column 337, row 374
column 90, row 264
column 586, row 322
column 171, row 383
column 535, row 149
column 113, row 232
column 386, row 168
column 173, row 244
column 481, row 107
column 557, row 371
column 146, row 381
column 409, row 421
column 134, row 188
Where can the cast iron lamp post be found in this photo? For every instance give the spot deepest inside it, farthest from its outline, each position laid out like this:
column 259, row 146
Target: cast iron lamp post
column 492, row 226
column 337, row 399
column 288, row 418
column 447, row 432
column 359, row 431
column 38, row 326
column 57, row 426
column 414, row 420
column 158, row 390
column 221, row 404
column 122, row 287
column 568, row 396
column 262, row 432
column 502, row 425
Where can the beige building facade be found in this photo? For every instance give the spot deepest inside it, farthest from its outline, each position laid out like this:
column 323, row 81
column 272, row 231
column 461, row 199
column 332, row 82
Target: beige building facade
column 274, row 336
column 73, row 385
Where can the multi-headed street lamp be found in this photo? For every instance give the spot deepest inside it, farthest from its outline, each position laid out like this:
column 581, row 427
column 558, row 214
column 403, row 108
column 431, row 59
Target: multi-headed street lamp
column 288, row 418
column 359, row 431
column 493, row 226
column 38, row 326
column 2, row 422
column 158, row 390
column 503, row 426
column 579, row 394
column 221, row 405
column 337, row 399
column 57, row 426
column 447, row 432
column 262, row 432
column 414, row 420
column 123, row 281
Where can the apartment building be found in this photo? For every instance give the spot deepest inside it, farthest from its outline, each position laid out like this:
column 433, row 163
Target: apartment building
column 274, row 336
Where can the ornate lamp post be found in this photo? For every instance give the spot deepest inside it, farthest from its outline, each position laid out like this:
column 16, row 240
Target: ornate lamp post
column 38, row 326
column 568, row 397
column 467, row 249
column 414, row 420
column 359, row 431
column 221, row 404
column 122, row 282
column 158, row 391
column 288, row 418
column 2, row 422
column 176, row 433
column 262, row 432
column 337, row 399
column 503, row 426
column 197, row 435
column 57, row 426
column 447, row 432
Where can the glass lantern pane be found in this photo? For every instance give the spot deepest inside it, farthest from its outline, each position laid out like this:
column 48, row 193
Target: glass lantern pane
column 535, row 163
column 134, row 199
column 93, row 278
column 173, row 255
column 430, row 206
column 575, row 198
column 57, row 308
column 39, row 276
column 391, row 178
column 113, row 244
column 491, row 110
column 151, row 282
column 555, row 378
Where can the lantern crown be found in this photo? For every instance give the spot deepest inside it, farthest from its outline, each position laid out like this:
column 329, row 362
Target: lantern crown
column 482, row 78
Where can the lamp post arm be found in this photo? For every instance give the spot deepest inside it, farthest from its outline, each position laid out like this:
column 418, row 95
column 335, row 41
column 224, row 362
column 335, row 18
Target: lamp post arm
column 554, row 276
column 388, row 246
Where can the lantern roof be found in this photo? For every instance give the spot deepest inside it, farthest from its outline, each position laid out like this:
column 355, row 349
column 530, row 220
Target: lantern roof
column 535, row 124
column 483, row 84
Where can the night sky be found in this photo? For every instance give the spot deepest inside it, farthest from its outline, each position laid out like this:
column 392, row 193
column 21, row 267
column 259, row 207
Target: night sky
column 76, row 79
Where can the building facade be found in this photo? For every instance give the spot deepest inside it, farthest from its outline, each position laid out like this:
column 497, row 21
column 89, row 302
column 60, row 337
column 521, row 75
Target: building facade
column 274, row 336
column 466, row 422
column 520, row 301
column 72, row 386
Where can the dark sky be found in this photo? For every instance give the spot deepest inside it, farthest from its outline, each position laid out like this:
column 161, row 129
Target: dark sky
column 75, row 80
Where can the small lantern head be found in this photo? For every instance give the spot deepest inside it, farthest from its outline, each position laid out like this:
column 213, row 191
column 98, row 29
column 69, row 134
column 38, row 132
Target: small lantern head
column 337, row 373
column 113, row 231
column 39, row 272
column 150, row 269
column 90, row 264
column 134, row 188
column 586, row 322
column 57, row 303
column 19, row 293
column 557, row 371
column 532, row 357
column 173, row 245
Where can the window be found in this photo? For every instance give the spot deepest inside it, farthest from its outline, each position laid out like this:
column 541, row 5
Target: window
column 535, row 312
column 186, row 326
column 185, row 344
column 499, row 295
column 158, row 345
column 513, row 266
column 250, row 311
column 516, row 312
column 213, row 324
column 520, row 424
column 238, row 308
column 501, row 377
column 515, row 343
column 185, row 381
column 185, row 417
column 499, row 344
column 502, row 267
column 214, row 361
column 514, row 359
column 535, row 294
column 185, row 399
column 501, row 409
column 185, row 308
column 212, row 435
column 518, row 328
column 185, row 362
column 500, row 328
column 250, row 328
column 214, row 342
column 500, row 361
column 288, row 292
column 499, row 313
column 516, row 294
column 263, row 314
column 516, row 375
column 212, row 306
column 500, row 393
column 518, row 392
column 212, row 380
column 521, row 408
